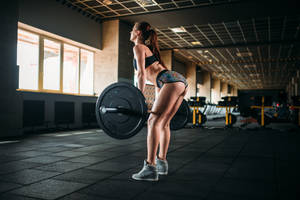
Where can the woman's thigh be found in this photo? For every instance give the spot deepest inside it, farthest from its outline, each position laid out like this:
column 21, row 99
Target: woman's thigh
column 176, row 106
column 168, row 96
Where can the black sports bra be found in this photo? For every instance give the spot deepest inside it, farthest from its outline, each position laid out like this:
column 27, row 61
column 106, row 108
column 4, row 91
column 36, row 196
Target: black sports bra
column 148, row 61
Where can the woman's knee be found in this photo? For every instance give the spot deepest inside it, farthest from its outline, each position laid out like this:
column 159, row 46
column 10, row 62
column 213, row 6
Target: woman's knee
column 153, row 120
column 166, row 125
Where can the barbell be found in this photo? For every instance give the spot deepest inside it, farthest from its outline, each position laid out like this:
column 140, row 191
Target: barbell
column 121, row 111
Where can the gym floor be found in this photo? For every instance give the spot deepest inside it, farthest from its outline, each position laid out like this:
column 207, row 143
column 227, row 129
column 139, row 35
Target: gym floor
column 210, row 163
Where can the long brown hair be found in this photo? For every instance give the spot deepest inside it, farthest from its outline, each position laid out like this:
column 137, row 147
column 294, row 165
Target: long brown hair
column 149, row 37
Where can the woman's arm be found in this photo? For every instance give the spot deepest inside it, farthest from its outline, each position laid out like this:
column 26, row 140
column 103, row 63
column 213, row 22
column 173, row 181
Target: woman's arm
column 140, row 59
column 157, row 90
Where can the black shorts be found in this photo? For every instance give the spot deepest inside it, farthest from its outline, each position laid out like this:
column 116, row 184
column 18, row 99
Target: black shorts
column 167, row 76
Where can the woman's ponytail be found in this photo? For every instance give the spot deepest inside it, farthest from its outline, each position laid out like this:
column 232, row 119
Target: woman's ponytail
column 153, row 46
column 149, row 37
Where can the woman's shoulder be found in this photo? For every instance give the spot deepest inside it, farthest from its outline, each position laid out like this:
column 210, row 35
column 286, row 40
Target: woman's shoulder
column 140, row 46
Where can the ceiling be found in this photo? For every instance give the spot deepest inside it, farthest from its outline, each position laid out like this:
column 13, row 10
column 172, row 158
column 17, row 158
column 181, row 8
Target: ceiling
column 248, row 43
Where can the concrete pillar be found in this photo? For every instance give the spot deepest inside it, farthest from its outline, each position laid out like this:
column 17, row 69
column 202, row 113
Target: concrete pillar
column 224, row 89
column 106, row 60
column 216, row 90
column 297, row 88
column 293, row 86
column 179, row 66
column 191, row 79
column 231, row 91
column 289, row 91
column 205, row 88
column 167, row 57
column 235, row 91
column 11, row 102
column 125, row 66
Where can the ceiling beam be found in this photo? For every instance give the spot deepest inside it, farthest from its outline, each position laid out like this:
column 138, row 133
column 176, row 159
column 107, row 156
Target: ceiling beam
column 217, row 13
column 237, row 45
column 253, row 61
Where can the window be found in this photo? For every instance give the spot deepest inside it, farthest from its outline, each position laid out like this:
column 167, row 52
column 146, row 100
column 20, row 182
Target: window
column 28, row 60
column 86, row 72
column 71, row 69
column 56, row 67
column 51, row 71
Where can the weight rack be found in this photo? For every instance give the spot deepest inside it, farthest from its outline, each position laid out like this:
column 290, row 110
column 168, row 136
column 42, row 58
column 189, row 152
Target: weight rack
column 228, row 103
column 196, row 103
column 265, row 102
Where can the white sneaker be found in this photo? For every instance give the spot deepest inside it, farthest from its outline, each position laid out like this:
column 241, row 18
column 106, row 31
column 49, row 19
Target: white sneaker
column 162, row 166
column 148, row 173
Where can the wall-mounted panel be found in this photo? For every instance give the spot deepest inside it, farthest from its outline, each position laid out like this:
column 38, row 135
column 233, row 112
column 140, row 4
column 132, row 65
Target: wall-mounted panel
column 33, row 113
column 51, row 16
column 64, row 112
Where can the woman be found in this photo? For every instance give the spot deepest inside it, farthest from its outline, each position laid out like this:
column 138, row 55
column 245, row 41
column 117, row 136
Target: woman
column 171, row 88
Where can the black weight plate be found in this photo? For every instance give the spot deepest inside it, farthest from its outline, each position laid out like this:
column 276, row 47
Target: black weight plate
column 233, row 118
column 180, row 119
column 119, row 125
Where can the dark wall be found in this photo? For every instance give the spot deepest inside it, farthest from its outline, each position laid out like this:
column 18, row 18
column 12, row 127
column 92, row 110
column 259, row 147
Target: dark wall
column 229, row 89
column 246, row 98
column 51, row 16
column 125, row 69
column 56, row 109
column 179, row 67
column 246, row 94
column 10, row 106
column 200, row 76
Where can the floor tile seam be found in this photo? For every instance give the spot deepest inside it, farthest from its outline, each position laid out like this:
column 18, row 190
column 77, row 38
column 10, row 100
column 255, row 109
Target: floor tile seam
column 86, row 167
column 25, row 185
column 249, row 180
column 155, row 183
column 255, row 157
column 229, row 167
column 92, row 195
column 76, row 170
column 9, row 155
column 41, row 164
column 96, row 182
column 237, row 195
column 109, row 148
column 53, row 177
column 7, row 191
column 35, row 198
column 275, row 173
column 25, row 138
column 202, row 153
column 110, row 158
column 180, row 195
column 61, row 173
column 209, row 135
column 66, row 158
column 21, row 186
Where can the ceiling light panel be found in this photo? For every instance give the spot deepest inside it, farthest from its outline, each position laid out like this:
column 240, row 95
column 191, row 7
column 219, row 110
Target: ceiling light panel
column 178, row 29
column 196, row 43
column 146, row 2
column 244, row 54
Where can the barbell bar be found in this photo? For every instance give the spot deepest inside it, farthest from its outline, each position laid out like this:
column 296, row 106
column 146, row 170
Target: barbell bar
column 121, row 111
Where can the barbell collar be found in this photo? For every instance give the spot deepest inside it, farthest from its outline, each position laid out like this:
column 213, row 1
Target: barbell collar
column 120, row 110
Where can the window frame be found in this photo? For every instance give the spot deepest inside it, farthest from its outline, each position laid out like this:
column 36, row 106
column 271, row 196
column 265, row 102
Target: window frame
column 40, row 89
